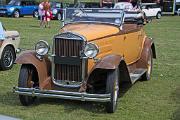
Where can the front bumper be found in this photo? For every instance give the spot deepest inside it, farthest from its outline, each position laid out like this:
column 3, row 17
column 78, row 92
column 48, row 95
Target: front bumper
column 62, row 94
column 5, row 13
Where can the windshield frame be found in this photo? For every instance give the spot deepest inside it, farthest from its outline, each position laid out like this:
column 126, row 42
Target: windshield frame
column 14, row 2
column 2, row 30
column 99, row 22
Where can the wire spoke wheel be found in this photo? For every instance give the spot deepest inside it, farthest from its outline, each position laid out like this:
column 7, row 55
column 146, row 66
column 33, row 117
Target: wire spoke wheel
column 112, row 87
column 147, row 75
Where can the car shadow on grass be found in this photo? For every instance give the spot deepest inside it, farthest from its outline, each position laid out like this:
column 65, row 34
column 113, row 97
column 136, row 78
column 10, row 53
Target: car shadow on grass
column 72, row 105
column 12, row 99
column 9, row 98
column 176, row 96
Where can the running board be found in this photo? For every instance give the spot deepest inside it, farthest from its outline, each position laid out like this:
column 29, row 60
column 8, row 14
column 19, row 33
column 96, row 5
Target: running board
column 135, row 75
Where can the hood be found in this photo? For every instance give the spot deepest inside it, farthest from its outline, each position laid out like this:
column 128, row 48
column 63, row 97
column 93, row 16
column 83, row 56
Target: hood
column 11, row 33
column 6, row 6
column 91, row 31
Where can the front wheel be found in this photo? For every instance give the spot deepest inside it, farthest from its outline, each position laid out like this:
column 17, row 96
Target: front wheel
column 112, row 87
column 28, row 78
column 7, row 58
column 16, row 14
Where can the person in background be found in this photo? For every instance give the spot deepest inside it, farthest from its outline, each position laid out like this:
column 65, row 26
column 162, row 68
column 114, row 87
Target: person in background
column 48, row 13
column 41, row 13
column 137, row 7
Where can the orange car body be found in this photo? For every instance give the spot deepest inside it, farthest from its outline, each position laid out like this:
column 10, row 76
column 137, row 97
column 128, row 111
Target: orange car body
column 125, row 47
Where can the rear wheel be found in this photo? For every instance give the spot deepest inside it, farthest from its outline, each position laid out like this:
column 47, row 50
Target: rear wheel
column 158, row 16
column 7, row 58
column 112, row 87
column 35, row 14
column 28, row 78
column 59, row 16
column 147, row 75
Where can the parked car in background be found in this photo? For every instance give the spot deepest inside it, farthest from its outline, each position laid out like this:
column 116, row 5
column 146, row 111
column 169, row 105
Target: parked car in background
column 19, row 8
column 124, row 6
column 9, row 42
column 131, row 12
column 94, row 52
column 151, row 10
column 57, row 10
column 87, row 5
column 178, row 12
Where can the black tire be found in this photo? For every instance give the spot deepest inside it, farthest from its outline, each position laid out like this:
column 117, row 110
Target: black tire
column 147, row 74
column 7, row 58
column 59, row 16
column 158, row 16
column 112, row 87
column 16, row 14
column 35, row 14
column 27, row 79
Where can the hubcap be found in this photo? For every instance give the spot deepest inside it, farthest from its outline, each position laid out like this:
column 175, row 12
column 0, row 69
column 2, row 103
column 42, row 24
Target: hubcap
column 159, row 15
column 8, row 58
column 36, row 14
column 59, row 16
column 16, row 14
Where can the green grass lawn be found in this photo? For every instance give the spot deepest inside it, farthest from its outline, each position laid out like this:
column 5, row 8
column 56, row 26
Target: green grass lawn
column 157, row 99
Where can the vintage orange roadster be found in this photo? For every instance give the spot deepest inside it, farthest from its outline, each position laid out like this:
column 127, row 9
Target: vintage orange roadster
column 95, row 51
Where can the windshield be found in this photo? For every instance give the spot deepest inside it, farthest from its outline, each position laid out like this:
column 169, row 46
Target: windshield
column 56, row 5
column 2, row 36
column 110, row 16
column 14, row 2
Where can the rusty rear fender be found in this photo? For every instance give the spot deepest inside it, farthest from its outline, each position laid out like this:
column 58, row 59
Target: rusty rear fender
column 148, row 45
column 43, row 67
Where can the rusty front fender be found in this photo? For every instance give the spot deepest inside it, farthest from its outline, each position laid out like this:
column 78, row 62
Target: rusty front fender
column 43, row 67
column 105, row 65
column 109, row 62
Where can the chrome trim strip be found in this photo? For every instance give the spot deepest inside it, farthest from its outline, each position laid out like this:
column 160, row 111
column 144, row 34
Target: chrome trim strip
column 69, row 32
column 70, row 85
column 12, row 36
column 63, row 94
column 95, row 22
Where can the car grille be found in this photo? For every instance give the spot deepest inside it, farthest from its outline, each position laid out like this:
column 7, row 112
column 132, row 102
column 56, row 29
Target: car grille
column 65, row 47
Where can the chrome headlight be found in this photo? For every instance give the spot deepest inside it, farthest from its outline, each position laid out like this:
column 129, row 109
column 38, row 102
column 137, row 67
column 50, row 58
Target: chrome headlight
column 42, row 48
column 91, row 50
column 11, row 9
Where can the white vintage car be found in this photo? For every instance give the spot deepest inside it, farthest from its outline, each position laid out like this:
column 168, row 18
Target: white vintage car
column 151, row 10
column 9, row 42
